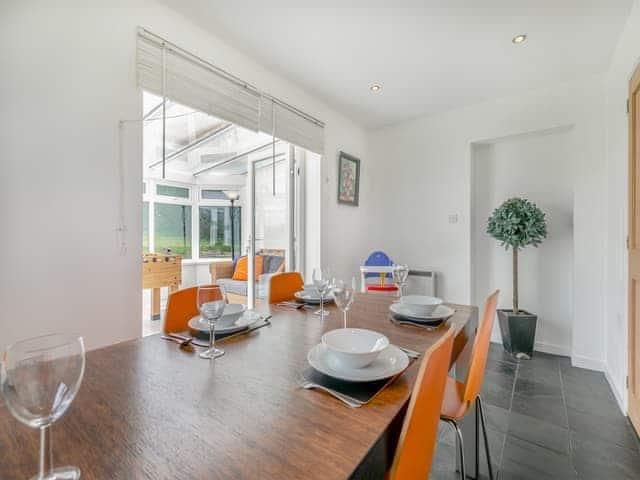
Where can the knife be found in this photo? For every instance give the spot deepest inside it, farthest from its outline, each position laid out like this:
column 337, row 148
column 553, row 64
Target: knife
column 266, row 321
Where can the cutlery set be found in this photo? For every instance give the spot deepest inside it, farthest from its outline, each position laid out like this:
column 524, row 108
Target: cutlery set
column 186, row 341
column 309, row 385
column 295, row 305
column 396, row 321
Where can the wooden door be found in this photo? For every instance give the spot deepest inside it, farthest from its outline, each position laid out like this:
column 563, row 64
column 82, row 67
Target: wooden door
column 634, row 250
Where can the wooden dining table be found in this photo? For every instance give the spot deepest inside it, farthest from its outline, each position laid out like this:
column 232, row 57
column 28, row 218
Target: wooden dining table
column 150, row 410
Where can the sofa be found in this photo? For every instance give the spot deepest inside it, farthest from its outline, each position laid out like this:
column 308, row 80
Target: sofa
column 237, row 290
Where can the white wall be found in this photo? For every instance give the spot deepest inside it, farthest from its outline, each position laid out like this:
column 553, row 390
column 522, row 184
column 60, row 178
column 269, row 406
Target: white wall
column 425, row 165
column 625, row 58
column 68, row 78
column 538, row 167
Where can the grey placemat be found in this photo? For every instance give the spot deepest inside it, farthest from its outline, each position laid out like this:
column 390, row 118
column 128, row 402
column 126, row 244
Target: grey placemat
column 361, row 391
column 419, row 321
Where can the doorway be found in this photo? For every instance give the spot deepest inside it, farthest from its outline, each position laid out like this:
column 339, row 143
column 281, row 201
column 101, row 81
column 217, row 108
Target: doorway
column 519, row 166
column 222, row 192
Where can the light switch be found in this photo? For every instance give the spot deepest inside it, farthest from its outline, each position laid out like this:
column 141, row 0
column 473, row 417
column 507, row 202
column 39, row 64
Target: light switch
column 453, row 218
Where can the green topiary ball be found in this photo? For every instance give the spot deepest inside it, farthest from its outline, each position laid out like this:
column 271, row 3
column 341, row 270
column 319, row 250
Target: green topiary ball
column 518, row 223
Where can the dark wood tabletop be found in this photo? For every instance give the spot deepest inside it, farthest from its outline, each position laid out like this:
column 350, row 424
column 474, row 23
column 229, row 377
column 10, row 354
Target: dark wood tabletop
column 148, row 410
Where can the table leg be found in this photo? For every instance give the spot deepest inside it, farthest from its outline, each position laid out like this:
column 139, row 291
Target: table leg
column 155, row 304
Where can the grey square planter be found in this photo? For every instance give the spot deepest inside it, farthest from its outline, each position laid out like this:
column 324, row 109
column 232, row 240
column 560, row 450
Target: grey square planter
column 518, row 332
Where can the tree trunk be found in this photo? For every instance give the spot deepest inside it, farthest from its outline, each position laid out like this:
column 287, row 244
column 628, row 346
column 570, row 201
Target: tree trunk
column 515, row 280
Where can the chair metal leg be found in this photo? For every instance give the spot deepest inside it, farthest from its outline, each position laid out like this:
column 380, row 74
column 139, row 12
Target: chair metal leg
column 460, row 447
column 477, row 435
column 480, row 413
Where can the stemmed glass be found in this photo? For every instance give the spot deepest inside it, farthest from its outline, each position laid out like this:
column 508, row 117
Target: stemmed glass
column 39, row 378
column 211, row 301
column 322, row 282
column 343, row 296
column 400, row 274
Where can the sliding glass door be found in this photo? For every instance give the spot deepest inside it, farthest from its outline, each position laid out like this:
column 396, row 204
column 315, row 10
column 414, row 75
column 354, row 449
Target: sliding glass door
column 273, row 218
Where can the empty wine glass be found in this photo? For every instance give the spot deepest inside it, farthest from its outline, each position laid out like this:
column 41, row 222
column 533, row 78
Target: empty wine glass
column 211, row 301
column 400, row 274
column 343, row 296
column 39, row 378
column 322, row 281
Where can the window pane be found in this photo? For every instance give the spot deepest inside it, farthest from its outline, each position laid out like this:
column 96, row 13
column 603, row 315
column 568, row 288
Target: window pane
column 172, row 228
column 215, row 231
column 145, row 227
column 213, row 195
column 169, row 191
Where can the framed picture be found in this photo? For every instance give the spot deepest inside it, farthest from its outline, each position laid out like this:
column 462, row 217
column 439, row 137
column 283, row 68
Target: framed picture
column 348, row 179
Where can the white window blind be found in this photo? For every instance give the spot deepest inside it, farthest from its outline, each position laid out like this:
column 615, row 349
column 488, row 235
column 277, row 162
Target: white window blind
column 192, row 84
column 291, row 126
column 195, row 83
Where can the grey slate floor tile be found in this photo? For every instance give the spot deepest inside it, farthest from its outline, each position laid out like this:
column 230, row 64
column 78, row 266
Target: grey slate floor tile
column 547, row 420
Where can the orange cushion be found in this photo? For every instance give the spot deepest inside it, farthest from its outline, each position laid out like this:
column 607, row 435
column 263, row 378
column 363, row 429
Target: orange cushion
column 242, row 268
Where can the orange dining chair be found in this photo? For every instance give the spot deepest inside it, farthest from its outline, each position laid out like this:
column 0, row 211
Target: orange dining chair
column 414, row 453
column 283, row 286
column 182, row 306
column 459, row 397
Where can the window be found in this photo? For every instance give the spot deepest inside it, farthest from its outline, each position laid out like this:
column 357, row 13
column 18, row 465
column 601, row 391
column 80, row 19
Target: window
column 173, row 228
column 216, row 235
column 171, row 191
column 214, row 195
column 191, row 221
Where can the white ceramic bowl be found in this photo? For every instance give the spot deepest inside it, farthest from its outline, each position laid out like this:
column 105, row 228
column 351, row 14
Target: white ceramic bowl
column 420, row 304
column 354, row 347
column 232, row 312
column 312, row 289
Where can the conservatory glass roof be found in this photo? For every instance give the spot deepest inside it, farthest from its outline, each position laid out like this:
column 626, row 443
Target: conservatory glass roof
column 198, row 143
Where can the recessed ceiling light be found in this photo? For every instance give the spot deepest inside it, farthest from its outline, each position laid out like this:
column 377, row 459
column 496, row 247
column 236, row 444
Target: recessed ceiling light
column 375, row 88
column 519, row 39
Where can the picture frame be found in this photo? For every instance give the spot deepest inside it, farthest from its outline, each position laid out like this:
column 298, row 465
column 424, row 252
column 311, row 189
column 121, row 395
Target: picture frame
column 348, row 179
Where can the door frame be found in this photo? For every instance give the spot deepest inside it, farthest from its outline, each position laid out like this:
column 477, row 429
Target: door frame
column 633, row 261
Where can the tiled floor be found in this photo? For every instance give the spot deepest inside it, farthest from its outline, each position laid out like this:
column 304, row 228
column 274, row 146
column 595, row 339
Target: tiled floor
column 548, row 420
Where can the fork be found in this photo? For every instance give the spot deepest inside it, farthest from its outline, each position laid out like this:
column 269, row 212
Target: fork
column 410, row 353
column 183, row 342
column 295, row 305
column 308, row 385
column 194, row 340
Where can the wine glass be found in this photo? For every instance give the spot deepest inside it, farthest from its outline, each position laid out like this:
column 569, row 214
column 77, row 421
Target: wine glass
column 39, row 378
column 400, row 274
column 322, row 282
column 343, row 296
column 211, row 301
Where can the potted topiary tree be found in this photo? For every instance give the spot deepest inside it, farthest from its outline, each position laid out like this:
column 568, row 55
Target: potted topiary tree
column 517, row 223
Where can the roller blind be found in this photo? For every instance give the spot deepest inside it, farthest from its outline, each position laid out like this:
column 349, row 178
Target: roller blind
column 291, row 126
column 197, row 84
column 192, row 84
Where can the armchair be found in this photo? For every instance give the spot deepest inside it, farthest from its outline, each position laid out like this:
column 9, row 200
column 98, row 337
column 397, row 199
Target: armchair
column 237, row 290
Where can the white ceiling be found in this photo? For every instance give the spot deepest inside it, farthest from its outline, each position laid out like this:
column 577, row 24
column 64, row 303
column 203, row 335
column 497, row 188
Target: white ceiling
column 428, row 55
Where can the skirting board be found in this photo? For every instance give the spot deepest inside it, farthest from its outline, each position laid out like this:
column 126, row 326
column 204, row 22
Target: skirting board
column 588, row 363
column 621, row 398
column 544, row 347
